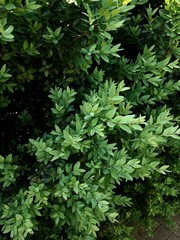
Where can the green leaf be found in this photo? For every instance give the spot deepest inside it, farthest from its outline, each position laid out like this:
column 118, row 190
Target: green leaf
column 10, row 6
column 125, row 128
column 9, row 158
column 28, row 223
column 57, row 31
column 9, row 30
column 25, row 44
column 19, row 217
column 110, row 114
column 76, row 168
column 114, row 25
column 112, row 217
column 136, row 127
column 104, row 57
column 163, row 169
column 117, row 98
column 1, row 159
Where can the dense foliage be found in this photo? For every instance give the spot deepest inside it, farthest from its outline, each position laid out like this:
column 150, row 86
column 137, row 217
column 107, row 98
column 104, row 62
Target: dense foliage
column 89, row 114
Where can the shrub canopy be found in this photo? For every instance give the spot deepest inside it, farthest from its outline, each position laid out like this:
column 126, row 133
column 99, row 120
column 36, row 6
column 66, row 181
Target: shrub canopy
column 89, row 114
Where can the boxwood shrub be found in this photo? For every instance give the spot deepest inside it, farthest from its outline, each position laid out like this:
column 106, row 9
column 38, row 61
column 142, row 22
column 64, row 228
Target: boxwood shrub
column 89, row 114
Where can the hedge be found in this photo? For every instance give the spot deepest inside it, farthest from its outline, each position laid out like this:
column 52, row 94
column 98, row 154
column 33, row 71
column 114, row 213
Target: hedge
column 89, row 115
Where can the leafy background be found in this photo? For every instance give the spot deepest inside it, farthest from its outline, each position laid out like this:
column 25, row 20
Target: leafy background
column 89, row 114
